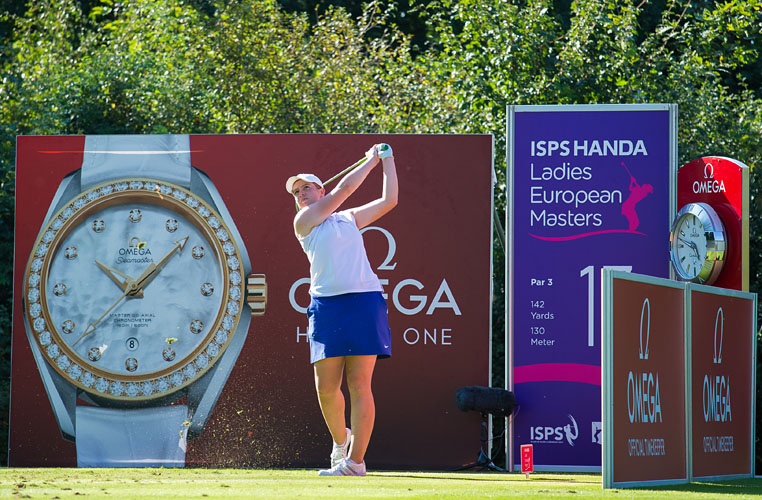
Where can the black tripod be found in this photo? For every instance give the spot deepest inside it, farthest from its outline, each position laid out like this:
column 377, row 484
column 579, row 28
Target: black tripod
column 485, row 400
column 483, row 462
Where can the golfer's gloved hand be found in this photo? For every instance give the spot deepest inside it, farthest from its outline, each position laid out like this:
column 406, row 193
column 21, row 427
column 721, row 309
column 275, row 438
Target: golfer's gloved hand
column 384, row 151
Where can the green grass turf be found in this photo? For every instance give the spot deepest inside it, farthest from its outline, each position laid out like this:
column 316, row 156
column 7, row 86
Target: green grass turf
column 229, row 484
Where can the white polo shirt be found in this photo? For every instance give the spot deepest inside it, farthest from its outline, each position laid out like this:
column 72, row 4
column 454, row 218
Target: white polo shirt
column 338, row 262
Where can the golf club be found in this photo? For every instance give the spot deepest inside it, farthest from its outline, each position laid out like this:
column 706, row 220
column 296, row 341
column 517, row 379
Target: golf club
column 384, row 151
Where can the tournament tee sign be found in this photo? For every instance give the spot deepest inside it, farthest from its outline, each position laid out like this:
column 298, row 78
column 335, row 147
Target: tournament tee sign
column 590, row 188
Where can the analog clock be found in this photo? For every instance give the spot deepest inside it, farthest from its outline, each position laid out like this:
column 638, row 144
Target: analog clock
column 698, row 244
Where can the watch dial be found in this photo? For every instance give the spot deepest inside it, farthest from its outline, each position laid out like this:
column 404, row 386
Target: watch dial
column 133, row 289
column 689, row 246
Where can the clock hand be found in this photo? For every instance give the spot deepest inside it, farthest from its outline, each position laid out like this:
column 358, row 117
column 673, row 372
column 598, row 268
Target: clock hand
column 691, row 244
column 111, row 273
column 129, row 286
column 135, row 287
column 152, row 270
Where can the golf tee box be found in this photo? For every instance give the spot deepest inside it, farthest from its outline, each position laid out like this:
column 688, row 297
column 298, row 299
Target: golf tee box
column 723, row 184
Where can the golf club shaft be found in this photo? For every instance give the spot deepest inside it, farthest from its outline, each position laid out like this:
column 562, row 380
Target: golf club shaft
column 339, row 175
column 344, row 172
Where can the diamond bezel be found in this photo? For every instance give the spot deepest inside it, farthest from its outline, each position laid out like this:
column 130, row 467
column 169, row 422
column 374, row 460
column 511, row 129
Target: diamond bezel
column 79, row 371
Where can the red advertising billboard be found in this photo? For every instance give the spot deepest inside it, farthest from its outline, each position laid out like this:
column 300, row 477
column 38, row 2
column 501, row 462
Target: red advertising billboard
column 722, row 381
column 644, row 417
column 432, row 254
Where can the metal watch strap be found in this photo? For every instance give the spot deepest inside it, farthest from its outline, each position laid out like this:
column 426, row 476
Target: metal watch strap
column 146, row 437
column 162, row 157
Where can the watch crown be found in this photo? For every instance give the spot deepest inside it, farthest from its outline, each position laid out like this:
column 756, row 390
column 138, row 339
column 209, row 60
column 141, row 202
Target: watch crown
column 256, row 293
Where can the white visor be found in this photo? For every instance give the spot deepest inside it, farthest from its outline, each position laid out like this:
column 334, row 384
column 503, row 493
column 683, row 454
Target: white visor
column 304, row 177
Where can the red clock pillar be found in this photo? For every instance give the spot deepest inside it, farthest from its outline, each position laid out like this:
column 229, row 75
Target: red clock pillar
column 722, row 183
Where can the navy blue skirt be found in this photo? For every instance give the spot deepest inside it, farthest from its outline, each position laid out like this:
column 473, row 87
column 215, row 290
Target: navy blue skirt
column 351, row 324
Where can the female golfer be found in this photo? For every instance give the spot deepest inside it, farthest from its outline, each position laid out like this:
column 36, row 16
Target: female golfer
column 348, row 325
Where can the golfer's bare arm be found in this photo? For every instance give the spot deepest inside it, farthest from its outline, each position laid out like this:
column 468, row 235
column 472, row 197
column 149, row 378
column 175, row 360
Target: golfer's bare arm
column 315, row 214
column 371, row 212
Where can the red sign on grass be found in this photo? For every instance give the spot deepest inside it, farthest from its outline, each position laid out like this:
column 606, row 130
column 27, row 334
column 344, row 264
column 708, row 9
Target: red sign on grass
column 527, row 459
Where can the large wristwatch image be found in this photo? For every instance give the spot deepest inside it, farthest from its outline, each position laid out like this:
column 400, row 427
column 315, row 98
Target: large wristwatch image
column 138, row 297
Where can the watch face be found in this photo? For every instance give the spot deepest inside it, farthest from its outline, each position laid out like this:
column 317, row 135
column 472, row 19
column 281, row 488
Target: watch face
column 697, row 243
column 134, row 289
column 689, row 246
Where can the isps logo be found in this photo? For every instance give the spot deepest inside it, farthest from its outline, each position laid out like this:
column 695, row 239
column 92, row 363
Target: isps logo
column 555, row 434
column 643, row 399
column 716, row 390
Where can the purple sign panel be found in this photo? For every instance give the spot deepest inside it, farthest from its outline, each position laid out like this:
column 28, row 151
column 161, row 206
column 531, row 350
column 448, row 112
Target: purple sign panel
column 591, row 188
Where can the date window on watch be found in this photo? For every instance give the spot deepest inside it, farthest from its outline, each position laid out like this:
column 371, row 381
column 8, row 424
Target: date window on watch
column 256, row 293
column 132, row 344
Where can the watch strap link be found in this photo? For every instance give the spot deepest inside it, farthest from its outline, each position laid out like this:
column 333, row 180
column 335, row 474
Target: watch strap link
column 145, row 437
column 110, row 157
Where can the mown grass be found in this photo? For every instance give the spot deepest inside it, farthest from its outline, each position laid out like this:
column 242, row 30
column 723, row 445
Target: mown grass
column 231, row 484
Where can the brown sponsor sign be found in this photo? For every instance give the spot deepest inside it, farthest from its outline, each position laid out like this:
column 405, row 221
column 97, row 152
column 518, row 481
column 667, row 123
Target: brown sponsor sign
column 722, row 338
column 648, row 383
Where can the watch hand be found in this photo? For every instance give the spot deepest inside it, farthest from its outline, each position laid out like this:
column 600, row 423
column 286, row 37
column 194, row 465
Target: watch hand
column 691, row 244
column 152, row 270
column 131, row 285
column 111, row 273
column 135, row 287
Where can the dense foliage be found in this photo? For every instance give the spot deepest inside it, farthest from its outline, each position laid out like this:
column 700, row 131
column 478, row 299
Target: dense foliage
column 446, row 66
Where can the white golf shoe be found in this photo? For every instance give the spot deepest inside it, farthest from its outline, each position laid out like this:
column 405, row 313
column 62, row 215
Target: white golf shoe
column 345, row 468
column 339, row 451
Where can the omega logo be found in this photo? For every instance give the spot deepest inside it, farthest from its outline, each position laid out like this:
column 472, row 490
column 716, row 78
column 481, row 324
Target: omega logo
column 643, row 399
column 135, row 242
column 645, row 312
column 716, row 388
column 718, row 321
column 136, row 251
column 709, row 184
column 708, row 171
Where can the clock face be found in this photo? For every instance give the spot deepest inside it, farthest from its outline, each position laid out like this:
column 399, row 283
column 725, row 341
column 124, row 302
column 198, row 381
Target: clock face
column 689, row 246
column 134, row 289
column 698, row 244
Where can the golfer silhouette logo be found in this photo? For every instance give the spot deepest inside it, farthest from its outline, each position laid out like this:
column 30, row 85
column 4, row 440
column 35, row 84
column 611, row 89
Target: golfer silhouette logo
column 637, row 193
column 719, row 324
column 645, row 317
column 571, row 436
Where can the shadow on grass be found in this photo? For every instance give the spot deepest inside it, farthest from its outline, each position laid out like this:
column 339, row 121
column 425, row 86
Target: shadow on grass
column 748, row 486
column 488, row 476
